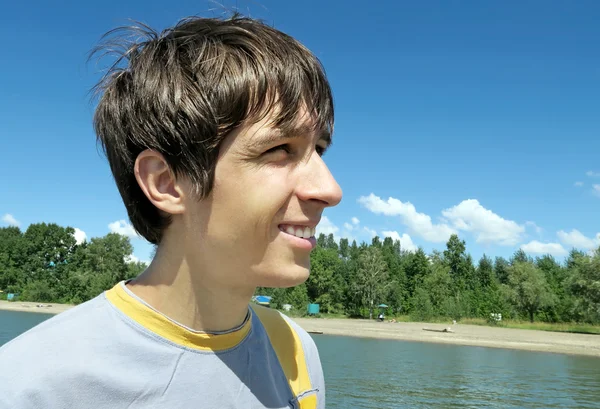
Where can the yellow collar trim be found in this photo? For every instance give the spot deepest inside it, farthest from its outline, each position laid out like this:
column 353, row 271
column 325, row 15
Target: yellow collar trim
column 163, row 326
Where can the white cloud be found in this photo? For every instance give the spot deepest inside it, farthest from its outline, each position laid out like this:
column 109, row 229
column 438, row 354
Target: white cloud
column 371, row 232
column 326, row 227
column 469, row 215
column 123, row 228
column 537, row 247
column 487, row 226
column 10, row 220
column 596, row 190
column 406, row 242
column 578, row 184
column 133, row 259
column 576, row 239
column 418, row 223
column 80, row 236
column 349, row 227
column 535, row 227
column 593, row 174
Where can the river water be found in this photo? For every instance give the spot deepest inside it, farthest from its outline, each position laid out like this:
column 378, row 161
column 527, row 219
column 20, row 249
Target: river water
column 371, row 373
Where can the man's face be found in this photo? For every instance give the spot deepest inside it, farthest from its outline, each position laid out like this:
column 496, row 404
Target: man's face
column 269, row 189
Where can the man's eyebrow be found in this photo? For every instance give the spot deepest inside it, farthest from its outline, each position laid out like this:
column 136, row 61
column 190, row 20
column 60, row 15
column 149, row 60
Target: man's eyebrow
column 275, row 135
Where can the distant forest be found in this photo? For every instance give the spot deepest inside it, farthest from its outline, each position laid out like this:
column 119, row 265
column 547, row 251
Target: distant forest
column 45, row 264
column 354, row 279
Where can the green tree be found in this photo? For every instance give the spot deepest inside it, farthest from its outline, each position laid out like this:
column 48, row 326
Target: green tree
column 520, row 257
column 454, row 255
column 501, row 270
column 485, row 272
column 376, row 242
column 344, row 248
column 422, row 307
column 529, row 288
column 460, row 264
column 436, row 256
column 47, row 248
column 438, row 285
column 325, row 285
column 322, row 241
column 354, row 251
column 555, row 276
column 585, row 286
column 108, row 255
column 12, row 255
column 98, row 264
column 480, row 299
column 416, row 266
column 352, row 300
column 38, row 290
column 330, row 242
column 397, row 296
column 296, row 296
column 371, row 280
column 574, row 257
column 134, row 269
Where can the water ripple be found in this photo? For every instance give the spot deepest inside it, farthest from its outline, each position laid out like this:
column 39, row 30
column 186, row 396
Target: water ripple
column 369, row 373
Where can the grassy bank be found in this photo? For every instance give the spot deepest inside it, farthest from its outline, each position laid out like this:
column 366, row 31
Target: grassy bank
column 575, row 328
column 540, row 326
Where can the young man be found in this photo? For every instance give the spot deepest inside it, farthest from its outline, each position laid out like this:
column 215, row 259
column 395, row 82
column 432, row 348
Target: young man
column 214, row 131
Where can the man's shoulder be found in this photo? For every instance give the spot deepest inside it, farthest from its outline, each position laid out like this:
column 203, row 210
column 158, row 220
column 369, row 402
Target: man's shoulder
column 66, row 337
column 43, row 358
column 275, row 321
column 272, row 318
column 55, row 330
column 297, row 353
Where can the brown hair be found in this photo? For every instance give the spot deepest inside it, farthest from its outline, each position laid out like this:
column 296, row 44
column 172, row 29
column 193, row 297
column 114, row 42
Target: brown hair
column 181, row 91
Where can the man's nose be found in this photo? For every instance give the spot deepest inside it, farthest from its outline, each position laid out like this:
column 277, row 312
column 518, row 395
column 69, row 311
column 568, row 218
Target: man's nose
column 318, row 184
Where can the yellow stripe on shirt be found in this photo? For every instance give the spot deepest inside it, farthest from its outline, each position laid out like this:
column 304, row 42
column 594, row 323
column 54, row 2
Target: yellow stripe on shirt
column 290, row 353
column 168, row 329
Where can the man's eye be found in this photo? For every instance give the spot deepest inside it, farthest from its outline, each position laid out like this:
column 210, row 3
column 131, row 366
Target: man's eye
column 283, row 148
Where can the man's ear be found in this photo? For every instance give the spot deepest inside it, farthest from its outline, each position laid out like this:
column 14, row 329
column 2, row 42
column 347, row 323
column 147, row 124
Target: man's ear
column 158, row 182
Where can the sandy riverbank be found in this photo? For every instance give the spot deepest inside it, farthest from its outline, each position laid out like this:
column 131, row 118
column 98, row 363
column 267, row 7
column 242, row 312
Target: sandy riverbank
column 34, row 307
column 472, row 335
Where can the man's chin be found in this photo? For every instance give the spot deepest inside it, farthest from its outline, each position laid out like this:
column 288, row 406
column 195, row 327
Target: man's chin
column 285, row 278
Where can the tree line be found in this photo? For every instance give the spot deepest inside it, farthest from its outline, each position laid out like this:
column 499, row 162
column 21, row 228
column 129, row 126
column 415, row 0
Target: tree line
column 46, row 264
column 354, row 279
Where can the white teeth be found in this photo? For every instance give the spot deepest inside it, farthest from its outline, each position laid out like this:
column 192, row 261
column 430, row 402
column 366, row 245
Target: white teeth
column 307, row 233
column 299, row 231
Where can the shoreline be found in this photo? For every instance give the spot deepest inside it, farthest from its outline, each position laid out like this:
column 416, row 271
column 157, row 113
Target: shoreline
column 462, row 334
column 37, row 307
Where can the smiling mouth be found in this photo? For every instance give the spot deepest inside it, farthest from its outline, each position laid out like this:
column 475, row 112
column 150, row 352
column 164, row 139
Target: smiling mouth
column 303, row 232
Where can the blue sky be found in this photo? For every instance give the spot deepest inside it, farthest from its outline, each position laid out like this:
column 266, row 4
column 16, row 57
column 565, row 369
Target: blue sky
column 467, row 117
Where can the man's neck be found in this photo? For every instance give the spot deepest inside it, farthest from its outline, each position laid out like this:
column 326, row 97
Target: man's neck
column 188, row 298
